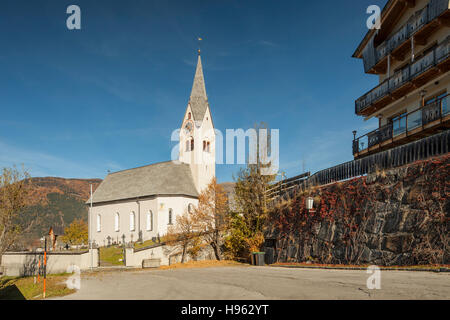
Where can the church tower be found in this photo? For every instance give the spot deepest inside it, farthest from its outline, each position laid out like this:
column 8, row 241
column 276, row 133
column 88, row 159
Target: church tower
column 197, row 137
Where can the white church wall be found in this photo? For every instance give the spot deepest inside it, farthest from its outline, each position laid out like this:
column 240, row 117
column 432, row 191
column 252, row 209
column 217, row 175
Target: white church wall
column 108, row 212
column 207, row 170
column 178, row 205
column 158, row 206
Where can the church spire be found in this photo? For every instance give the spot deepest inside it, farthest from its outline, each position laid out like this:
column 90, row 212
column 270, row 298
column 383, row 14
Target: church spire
column 198, row 99
column 198, row 88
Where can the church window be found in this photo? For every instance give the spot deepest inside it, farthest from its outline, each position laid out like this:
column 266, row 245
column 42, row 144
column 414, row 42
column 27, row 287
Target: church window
column 204, row 145
column 117, row 222
column 189, row 116
column 192, row 144
column 170, row 216
column 149, row 221
column 99, row 223
column 207, row 147
column 132, row 221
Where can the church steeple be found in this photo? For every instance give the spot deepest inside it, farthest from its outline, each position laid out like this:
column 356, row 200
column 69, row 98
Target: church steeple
column 198, row 99
column 198, row 88
column 197, row 135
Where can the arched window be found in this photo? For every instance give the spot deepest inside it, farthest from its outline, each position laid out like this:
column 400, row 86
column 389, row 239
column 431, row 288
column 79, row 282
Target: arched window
column 204, row 145
column 207, row 147
column 132, row 221
column 170, row 216
column 192, row 144
column 189, row 116
column 99, row 223
column 149, row 221
column 117, row 222
column 191, row 208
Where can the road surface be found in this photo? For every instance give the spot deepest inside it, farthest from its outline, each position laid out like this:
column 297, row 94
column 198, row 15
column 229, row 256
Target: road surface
column 247, row 282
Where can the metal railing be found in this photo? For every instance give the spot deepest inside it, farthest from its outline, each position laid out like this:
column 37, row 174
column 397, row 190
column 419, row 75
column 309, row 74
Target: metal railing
column 285, row 185
column 405, row 123
column 403, row 76
column 432, row 146
column 415, row 23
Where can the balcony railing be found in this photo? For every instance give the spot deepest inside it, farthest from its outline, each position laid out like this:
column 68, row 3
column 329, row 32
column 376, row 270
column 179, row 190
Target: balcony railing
column 404, row 124
column 414, row 69
column 373, row 55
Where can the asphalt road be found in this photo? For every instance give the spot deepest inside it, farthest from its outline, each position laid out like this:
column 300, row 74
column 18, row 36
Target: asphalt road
column 259, row 283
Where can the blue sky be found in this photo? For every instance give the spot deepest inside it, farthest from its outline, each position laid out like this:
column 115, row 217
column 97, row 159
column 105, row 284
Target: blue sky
column 78, row 103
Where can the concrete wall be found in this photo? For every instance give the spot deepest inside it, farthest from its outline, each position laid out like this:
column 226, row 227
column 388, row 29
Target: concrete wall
column 168, row 255
column 26, row 263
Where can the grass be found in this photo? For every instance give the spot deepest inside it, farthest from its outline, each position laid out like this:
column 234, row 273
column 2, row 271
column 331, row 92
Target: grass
column 144, row 244
column 148, row 243
column 112, row 255
column 344, row 266
column 202, row 264
column 24, row 288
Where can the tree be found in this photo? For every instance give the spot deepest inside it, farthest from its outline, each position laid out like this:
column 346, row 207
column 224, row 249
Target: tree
column 76, row 233
column 211, row 216
column 14, row 188
column 250, row 198
column 182, row 234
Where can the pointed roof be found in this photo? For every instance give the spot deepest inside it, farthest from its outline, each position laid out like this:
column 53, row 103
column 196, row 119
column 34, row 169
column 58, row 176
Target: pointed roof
column 198, row 99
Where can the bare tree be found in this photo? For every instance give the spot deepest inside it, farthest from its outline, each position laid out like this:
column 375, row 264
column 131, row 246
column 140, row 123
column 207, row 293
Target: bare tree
column 211, row 216
column 14, row 188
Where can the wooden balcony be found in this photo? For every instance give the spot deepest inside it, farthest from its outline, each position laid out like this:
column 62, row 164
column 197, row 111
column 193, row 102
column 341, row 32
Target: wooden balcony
column 419, row 27
column 412, row 76
column 425, row 121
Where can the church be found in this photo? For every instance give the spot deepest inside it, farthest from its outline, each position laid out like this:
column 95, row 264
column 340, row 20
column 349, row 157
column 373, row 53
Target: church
column 141, row 203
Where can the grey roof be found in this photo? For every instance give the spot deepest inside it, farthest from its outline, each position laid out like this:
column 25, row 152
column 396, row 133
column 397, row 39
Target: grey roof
column 198, row 99
column 164, row 178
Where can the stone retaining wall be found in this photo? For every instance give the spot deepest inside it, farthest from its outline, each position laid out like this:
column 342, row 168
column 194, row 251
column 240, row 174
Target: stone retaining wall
column 395, row 217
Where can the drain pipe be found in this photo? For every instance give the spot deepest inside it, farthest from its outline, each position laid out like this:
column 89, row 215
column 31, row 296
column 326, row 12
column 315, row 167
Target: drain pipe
column 139, row 220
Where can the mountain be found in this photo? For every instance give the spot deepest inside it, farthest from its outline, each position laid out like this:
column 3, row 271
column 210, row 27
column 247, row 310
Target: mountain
column 56, row 202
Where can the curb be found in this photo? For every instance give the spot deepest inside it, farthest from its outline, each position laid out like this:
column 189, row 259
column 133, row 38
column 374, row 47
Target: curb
column 445, row 270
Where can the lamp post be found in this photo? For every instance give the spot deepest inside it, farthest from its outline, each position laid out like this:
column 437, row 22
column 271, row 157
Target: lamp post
column 310, row 204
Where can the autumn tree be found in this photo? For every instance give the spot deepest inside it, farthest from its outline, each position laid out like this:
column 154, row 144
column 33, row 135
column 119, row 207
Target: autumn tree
column 14, row 188
column 211, row 216
column 76, row 233
column 182, row 234
column 250, row 209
